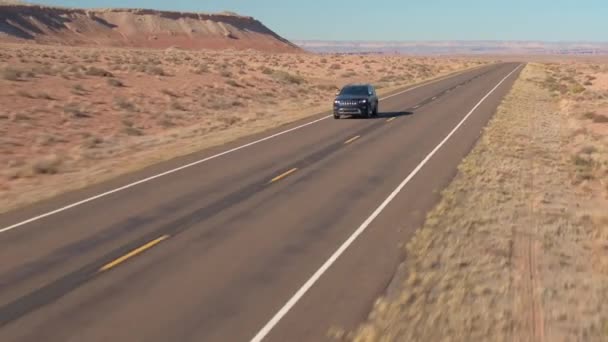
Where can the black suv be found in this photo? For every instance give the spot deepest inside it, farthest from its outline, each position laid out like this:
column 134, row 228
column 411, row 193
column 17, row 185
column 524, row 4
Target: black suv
column 356, row 99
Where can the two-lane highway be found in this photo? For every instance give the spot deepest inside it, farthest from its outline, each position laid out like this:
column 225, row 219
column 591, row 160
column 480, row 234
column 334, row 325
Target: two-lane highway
column 276, row 237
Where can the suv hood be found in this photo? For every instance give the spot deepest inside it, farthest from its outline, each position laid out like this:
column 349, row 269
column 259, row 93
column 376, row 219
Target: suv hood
column 351, row 97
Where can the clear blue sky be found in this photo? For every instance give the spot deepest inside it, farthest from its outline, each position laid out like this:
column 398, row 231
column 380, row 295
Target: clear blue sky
column 552, row 20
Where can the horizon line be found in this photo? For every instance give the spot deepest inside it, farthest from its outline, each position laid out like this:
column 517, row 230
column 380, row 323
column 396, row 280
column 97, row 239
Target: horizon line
column 452, row 40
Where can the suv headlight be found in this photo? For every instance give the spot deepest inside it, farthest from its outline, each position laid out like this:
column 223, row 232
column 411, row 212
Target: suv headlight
column 363, row 101
column 337, row 102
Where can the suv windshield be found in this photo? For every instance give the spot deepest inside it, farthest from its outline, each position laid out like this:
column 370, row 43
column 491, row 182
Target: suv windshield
column 354, row 90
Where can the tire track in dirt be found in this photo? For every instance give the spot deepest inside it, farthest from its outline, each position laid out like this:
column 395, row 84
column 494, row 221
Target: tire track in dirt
column 535, row 248
column 529, row 324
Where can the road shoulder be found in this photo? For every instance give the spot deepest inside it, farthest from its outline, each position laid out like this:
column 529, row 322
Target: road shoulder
column 500, row 255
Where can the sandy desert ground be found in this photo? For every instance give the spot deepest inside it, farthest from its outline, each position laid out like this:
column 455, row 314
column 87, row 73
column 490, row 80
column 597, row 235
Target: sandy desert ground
column 517, row 249
column 72, row 116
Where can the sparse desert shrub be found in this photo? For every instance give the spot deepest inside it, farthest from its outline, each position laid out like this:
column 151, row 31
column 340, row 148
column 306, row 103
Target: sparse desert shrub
column 44, row 96
column 133, row 131
column 46, row 140
column 225, row 73
column 595, row 117
column 600, row 118
column 156, row 71
column 588, row 150
column 386, row 79
column 115, row 83
column 11, row 74
column 78, row 88
column 551, row 83
column 92, row 142
column 94, row 71
column 577, row 88
column 583, row 162
column 44, row 70
column 138, row 68
column 584, row 176
column 287, row 77
column 19, row 116
column 47, row 165
column 335, row 66
column 233, row 83
column 240, row 63
column 267, row 71
column 230, row 120
column 166, row 122
column 349, row 74
column 125, row 104
column 177, row 106
column 568, row 79
column 203, row 69
column 75, row 69
column 24, row 93
column 327, row 87
column 74, row 110
column 169, row 93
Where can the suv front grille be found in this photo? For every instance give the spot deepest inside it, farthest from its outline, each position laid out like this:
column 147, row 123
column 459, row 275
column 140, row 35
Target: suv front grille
column 349, row 103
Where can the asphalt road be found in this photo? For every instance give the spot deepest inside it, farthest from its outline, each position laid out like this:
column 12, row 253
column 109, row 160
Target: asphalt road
column 216, row 251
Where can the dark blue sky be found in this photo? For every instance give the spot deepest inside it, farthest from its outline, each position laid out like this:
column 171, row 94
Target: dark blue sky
column 404, row 20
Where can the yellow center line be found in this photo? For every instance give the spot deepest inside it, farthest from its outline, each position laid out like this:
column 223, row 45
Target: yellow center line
column 133, row 253
column 283, row 175
column 391, row 119
column 352, row 139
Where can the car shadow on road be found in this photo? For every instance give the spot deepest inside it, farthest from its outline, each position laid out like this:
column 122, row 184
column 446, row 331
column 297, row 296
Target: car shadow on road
column 383, row 115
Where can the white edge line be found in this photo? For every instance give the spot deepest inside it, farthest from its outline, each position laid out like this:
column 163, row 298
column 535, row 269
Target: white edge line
column 315, row 277
column 124, row 187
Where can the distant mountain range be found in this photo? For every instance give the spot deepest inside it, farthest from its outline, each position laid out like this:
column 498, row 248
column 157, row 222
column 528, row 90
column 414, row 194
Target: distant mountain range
column 456, row 47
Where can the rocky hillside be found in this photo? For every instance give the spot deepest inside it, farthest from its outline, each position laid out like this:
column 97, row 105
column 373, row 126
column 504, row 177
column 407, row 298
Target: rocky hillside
column 136, row 28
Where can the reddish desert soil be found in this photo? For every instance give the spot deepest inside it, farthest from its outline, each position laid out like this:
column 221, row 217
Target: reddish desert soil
column 71, row 116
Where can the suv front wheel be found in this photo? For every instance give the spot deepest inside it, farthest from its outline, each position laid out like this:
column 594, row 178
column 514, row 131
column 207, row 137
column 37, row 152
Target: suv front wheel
column 369, row 111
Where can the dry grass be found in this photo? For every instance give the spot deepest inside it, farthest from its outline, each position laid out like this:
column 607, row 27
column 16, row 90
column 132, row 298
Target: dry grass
column 73, row 94
column 516, row 249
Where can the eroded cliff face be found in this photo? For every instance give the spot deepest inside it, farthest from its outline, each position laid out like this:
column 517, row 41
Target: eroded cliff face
column 136, row 28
